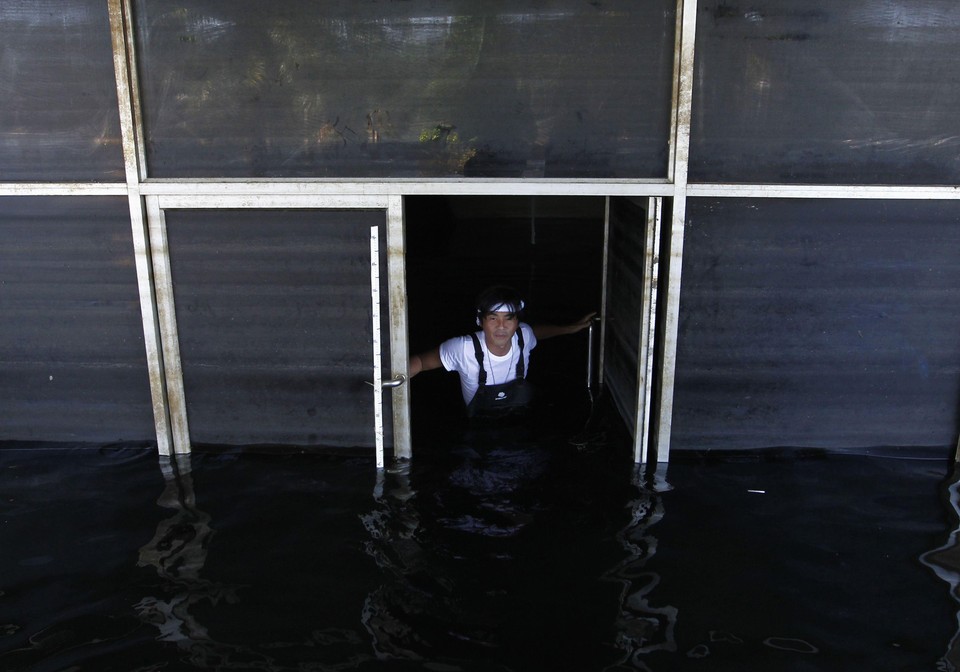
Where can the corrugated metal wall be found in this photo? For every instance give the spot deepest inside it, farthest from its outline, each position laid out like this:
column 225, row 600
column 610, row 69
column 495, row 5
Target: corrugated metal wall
column 624, row 305
column 802, row 322
column 274, row 319
column 829, row 324
column 72, row 361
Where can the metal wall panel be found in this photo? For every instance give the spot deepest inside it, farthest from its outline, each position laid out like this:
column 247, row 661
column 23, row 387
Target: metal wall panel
column 274, row 320
column 72, row 360
column 624, row 305
column 413, row 89
column 820, row 91
column 58, row 112
column 818, row 323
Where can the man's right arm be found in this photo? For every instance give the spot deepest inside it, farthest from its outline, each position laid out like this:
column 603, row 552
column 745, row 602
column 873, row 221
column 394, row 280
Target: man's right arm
column 425, row 361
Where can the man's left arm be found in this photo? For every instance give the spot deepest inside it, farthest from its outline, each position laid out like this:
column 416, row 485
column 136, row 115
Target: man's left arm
column 542, row 331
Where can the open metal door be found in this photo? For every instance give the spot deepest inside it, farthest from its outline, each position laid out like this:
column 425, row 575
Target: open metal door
column 380, row 386
column 271, row 321
column 629, row 314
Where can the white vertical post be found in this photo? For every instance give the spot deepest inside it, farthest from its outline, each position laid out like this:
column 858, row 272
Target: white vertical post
column 680, row 153
column 399, row 345
column 604, row 289
column 134, row 169
column 167, row 319
column 151, row 327
column 377, row 366
column 648, row 325
column 126, row 88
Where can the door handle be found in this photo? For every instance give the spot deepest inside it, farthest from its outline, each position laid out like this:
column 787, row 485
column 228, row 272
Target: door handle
column 397, row 381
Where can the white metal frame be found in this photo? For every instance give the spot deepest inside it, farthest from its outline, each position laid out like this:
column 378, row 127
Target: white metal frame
column 680, row 133
column 646, row 365
column 391, row 207
column 648, row 326
column 170, row 370
column 377, row 344
column 148, row 198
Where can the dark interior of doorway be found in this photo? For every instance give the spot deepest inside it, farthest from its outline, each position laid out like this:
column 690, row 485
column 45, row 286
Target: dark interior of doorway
column 548, row 247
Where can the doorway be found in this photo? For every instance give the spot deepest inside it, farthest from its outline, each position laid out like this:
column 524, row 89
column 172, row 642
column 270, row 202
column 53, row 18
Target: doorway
column 551, row 248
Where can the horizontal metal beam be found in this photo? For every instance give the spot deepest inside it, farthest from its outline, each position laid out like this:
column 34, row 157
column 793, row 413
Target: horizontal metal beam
column 478, row 187
column 62, row 189
column 411, row 187
column 277, row 201
column 839, row 191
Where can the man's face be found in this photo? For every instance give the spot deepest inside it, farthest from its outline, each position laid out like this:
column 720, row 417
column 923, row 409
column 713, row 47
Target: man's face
column 498, row 330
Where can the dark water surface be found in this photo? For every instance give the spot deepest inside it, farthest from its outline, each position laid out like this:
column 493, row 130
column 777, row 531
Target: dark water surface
column 490, row 551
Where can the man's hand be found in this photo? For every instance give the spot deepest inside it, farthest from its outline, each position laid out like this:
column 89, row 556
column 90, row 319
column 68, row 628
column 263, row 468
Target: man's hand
column 542, row 331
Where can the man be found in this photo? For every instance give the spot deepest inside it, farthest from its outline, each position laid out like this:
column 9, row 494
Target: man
column 493, row 362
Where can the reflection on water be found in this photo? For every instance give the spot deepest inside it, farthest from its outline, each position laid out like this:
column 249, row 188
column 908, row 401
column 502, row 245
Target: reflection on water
column 641, row 626
column 945, row 562
column 491, row 551
column 177, row 552
column 409, row 586
column 493, row 554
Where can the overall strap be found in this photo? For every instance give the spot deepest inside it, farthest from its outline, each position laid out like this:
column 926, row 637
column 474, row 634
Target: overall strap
column 479, row 353
column 520, row 359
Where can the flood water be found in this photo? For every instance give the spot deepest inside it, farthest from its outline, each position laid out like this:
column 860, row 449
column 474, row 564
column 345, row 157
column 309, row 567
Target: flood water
column 492, row 550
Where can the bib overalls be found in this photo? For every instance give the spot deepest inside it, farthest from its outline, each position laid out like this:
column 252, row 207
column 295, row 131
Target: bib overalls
column 503, row 399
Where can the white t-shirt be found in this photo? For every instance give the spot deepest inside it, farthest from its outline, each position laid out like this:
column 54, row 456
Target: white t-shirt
column 458, row 354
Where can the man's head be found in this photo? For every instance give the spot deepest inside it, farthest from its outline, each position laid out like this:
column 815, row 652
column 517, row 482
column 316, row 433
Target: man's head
column 498, row 299
column 498, row 314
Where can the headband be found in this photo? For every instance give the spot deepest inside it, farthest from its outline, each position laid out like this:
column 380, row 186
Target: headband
column 505, row 308
column 499, row 308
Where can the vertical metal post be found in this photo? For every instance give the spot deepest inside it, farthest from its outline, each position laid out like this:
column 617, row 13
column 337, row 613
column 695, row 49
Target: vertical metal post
column 126, row 91
column 167, row 320
column 680, row 150
column 648, row 325
column 604, row 289
column 377, row 353
column 135, row 170
column 590, row 356
column 151, row 327
column 399, row 339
